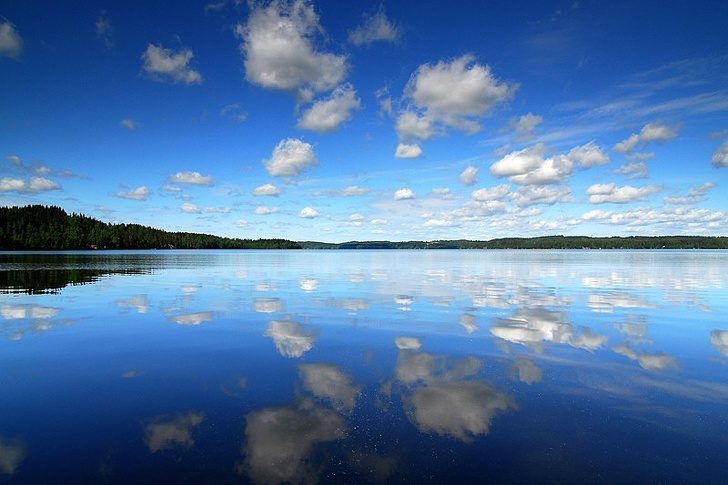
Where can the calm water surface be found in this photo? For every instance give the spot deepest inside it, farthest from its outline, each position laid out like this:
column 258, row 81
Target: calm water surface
column 347, row 366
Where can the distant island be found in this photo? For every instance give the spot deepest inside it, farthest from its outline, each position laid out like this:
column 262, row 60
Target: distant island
column 38, row 227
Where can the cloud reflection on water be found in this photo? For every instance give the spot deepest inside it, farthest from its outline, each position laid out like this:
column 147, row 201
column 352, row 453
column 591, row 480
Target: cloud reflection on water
column 291, row 339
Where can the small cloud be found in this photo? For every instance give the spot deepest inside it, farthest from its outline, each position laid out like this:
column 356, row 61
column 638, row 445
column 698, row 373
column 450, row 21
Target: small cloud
column 525, row 125
column 190, row 208
column 11, row 44
column 263, row 210
column 469, row 176
column 105, row 30
column 442, row 192
column 408, row 343
column 353, row 190
column 192, row 178
column 193, row 319
column 407, row 151
column 374, row 28
column 177, row 432
column 129, row 124
column 404, row 194
column 650, row 132
column 720, row 157
column 289, row 158
column 163, row 64
column 308, row 213
column 267, row 190
column 140, row 193
column 492, row 193
column 634, row 170
column 29, row 186
column 241, row 223
column 328, row 114
column 601, row 193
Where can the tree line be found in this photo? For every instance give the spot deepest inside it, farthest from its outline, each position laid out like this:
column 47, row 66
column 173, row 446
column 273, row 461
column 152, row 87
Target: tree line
column 50, row 227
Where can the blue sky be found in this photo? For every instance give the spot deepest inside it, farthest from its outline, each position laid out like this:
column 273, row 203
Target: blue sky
column 336, row 120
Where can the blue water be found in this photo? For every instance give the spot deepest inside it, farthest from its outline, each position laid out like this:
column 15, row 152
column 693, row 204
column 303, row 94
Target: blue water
column 364, row 366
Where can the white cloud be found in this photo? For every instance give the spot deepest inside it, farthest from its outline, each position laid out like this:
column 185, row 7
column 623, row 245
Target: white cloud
column 163, row 64
column 353, row 190
column 289, row 158
column 469, row 176
column 653, row 362
column 105, row 30
column 525, row 125
column 374, row 28
column 529, row 167
column 672, row 219
column 695, row 195
column 279, row 51
column 720, row 157
column 193, row 319
column 634, row 170
column 190, row 208
column 719, row 340
column 355, row 219
column 291, row 340
column 408, row 343
column 328, row 382
column 588, row 155
column 650, row 132
column 11, row 44
column 263, row 210
column 328, row 114
column 492, row 193
column 404, row 194
column 267, row 190
column 601, row 193
column 217, row 210
column 192, row 178
column 12, row 453
column 442, row 192
column 31, row 186
column 162, row 435
column 378, row 222
column 241, row 223
column 530, row 195
column 429, row 223
column 140, row 193
column 407, row 151
column 129, row 124
column 308, row 213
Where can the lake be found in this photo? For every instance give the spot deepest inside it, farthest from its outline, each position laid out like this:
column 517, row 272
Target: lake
column 364, row 366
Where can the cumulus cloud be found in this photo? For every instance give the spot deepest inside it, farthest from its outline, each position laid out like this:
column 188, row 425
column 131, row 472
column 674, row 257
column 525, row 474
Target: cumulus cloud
column 11, row 44
column 404, row 194
column 442, row 192
column 720, row 157
column 290, row 157
column 329, row 383
column 719, row 340
column 177, row 432
column 190, row 208
column 279, row 442
column 492, row 193
column 469, row 176
column 374, row 28
column 193, row 319
column 694, row 195
column 308, row 213
column 355, row 219
column 278, row 47
column 192, row 178
column 655, row 362
column 407, row 343
column 525, row 125
column 588, row 155
column 241, row 223
column 326, row 115
column 353, row 190
column 12, row 454
column 634, row 170
column 405, row 150
column 140, row 193
column 105, row 30
column 129, row 124
column 650, row 132
column 267, row 190
column 291, row 339
column 263, row 210
column 602, row 193
column 162, row 64
column 532, row 195
column 530, row 167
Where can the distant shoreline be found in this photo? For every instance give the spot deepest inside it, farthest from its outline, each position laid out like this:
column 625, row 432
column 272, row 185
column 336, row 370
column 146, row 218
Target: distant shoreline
column 48, row 228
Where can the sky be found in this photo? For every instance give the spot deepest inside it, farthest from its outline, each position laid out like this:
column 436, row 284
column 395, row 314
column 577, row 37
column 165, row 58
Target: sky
column 337, row 121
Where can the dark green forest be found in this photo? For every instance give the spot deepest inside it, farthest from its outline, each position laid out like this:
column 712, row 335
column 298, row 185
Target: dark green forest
column 49, row 227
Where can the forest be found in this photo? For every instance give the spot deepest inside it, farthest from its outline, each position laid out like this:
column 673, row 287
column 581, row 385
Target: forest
column 49, row 227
